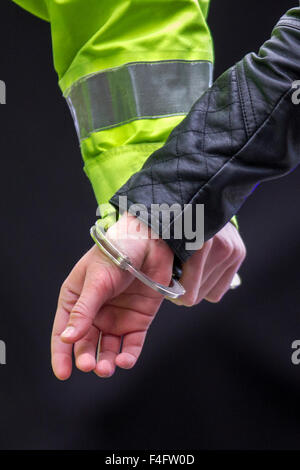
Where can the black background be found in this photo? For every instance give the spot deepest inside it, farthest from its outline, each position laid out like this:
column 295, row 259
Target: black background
column 210, row 377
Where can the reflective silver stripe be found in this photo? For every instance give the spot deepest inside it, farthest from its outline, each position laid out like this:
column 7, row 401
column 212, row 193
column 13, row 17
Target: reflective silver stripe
column 136, row 91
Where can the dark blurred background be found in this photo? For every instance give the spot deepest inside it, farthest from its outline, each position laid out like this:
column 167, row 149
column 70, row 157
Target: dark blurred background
column 210, row 377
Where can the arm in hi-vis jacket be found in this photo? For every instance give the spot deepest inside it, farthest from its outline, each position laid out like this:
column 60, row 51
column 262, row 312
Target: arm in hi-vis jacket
column 130, row 71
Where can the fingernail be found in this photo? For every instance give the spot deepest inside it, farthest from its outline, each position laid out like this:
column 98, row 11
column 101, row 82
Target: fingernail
column 69, row 331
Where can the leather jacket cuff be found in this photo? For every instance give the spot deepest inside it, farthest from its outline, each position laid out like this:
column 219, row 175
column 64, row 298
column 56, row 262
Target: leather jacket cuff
column 240, row 132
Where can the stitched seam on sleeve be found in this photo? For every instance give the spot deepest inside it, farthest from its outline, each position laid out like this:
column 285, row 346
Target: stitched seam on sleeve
column 223, row 107
column 156, row 183
column 231, row 130
column 220, row 88
column 245, row 120
column 199, row 110
column 205, row 122
column 178, row 174
column 250, row 96
column 197, row 131
column 234, row 157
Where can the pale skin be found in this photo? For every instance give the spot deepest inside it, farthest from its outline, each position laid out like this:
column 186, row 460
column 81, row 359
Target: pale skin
column 99, row 296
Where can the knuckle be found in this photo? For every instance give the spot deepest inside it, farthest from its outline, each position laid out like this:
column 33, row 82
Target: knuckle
column 240, row 251
column 243, row 251
column 208, row 244
column 102, row 280
column 215, row 298
column 65, row 288
column 188, row 304
column 67, row 296
column 97, row 284
column 190, row 300
column 80, row 311
column 225, row 248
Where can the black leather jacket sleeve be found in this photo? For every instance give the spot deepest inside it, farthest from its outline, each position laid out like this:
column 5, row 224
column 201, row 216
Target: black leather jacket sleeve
column 244, row 130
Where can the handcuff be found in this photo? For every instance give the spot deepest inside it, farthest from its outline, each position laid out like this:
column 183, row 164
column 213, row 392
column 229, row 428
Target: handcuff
column 173, row 291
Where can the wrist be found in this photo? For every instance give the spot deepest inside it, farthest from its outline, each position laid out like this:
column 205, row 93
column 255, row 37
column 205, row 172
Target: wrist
column 132, row 237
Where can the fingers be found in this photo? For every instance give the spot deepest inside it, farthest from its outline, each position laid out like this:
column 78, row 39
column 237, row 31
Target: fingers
column 97, row 288
column 85, row 350
column 218, row 283
column 110, row 355
column 131, row 349
column 109, row 352
column 216, row 291
column 221, row 257
column 192, row 275
column 61, row 358
column 61, row 354
column 209, row 272
column 109, row 348
column 216, row 287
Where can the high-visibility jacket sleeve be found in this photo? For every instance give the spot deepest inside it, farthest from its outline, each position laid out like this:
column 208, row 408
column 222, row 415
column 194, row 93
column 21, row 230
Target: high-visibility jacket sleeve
column 92, row 36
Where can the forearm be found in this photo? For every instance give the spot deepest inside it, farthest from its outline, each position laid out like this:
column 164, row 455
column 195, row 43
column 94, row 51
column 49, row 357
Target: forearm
column 242, row 131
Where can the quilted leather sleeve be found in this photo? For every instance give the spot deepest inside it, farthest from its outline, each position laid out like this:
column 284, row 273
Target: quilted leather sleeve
column 244, row 130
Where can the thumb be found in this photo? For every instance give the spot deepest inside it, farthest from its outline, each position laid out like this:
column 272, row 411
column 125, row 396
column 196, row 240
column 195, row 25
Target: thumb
column 98, row 287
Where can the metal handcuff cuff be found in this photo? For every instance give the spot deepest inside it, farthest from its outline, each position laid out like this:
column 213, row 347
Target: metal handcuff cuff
column 174, row 291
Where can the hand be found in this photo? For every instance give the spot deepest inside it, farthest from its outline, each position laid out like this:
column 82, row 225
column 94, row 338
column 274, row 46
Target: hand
column 208, row 273
column 99, row 297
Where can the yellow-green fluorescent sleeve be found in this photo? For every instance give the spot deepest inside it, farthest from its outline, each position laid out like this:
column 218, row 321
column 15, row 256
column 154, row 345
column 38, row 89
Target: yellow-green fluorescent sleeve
column 95, row 35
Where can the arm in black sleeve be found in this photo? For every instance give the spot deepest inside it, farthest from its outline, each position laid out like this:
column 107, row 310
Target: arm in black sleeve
column 244, row 130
